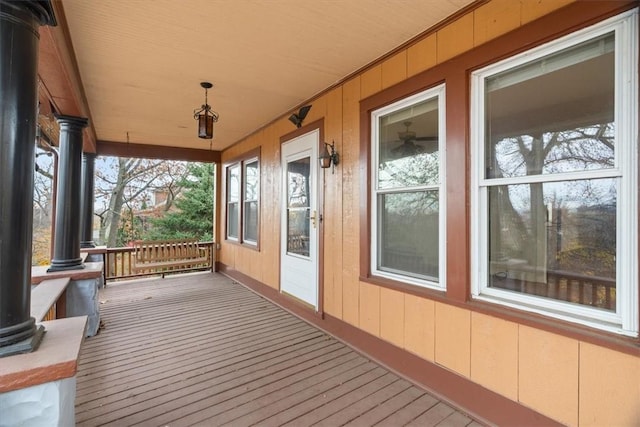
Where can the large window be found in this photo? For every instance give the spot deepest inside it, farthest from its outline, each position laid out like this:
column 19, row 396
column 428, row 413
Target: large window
column 407, row 229
column 243, row 200
column 555, row 151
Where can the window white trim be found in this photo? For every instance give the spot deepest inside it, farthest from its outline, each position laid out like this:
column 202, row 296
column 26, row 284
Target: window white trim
column 243, row 225
column 228, row 172
column 439, row 93
column 625, row 319
column 240, row 166
column 627, row 75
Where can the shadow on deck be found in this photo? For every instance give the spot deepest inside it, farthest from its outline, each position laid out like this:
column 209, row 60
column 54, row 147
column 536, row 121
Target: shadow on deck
column 201, row 349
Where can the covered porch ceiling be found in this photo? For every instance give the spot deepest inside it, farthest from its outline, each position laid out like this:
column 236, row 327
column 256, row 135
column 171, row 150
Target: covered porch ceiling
column 134, row 67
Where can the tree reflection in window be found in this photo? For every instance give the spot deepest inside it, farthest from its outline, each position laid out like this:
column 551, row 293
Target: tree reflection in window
column 407, row 189
column 298, row 209
column 552, row 226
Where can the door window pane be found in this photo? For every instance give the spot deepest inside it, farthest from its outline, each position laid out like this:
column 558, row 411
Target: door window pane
column 298, row 231
column 298, row 208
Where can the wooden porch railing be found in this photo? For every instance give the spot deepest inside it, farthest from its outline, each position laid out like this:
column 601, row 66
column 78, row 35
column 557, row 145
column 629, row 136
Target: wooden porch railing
column 586, row 290
column 568, row 286
column 49, row 299
column 119, row 261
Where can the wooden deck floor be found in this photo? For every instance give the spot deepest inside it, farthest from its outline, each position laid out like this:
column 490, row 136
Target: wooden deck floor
column 199, row 349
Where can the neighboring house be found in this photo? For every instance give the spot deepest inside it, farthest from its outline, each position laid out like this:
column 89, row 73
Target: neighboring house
column 480, row 232
column 155, row 209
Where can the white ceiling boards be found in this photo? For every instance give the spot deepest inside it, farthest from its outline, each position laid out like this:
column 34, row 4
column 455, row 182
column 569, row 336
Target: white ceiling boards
column 141, row 62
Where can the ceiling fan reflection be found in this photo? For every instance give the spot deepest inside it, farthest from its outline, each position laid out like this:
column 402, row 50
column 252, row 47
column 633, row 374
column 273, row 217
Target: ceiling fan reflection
column 408, row 146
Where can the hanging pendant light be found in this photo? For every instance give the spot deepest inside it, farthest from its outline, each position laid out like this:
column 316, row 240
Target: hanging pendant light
column 205, row 116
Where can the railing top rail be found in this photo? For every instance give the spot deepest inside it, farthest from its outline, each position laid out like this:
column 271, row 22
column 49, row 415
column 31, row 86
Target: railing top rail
column 121, row 249
column 163, row 242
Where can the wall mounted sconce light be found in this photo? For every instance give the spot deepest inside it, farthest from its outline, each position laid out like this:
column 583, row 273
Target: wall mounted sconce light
column 328, row 158
column 297, row 119
column 205, row 116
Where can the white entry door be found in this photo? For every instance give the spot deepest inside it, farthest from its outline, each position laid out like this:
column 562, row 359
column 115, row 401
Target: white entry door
column 300, row 218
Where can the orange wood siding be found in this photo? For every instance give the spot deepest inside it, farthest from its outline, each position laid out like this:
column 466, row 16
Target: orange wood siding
column 270, row 200
column 394, row 69
column 370, row 308
column 422, row 55
column 371, row 81
column 453, row 338
column 560, row 377
column 455, row 38
column 548, row 371
column 534, row 9
column 392, row 316
column 350, row 178
column 494, row 354
column 332, row 215
column 609, row 386
column 494, row 19
column 419, row 326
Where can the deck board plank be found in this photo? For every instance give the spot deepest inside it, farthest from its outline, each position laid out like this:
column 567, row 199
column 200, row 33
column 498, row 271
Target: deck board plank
column 337, row 399
column 205, row 405
column 433, row 416
column 260, row 401
column 409, row 412
column 456, row 419
column 153, row 363
column 387, row 408
column 180, row 373
column 200, row 349
column 369, row 399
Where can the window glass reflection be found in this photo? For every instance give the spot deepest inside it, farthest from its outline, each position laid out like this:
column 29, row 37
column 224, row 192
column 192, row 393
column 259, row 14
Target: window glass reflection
column 298, row 211
column 554, row 115
column 556, row 240
column 408, row 234
column 408, row 146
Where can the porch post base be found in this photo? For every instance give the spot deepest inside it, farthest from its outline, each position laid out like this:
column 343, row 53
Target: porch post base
column 25, row 346
column 83, row 300
column 64, row 265
column 89, row 244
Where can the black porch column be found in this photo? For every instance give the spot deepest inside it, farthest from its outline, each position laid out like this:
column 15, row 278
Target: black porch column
column 86, row 217
column 19, row 24
column 66, row 247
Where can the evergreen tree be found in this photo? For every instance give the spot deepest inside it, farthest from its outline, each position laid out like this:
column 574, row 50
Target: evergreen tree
column 194, row 215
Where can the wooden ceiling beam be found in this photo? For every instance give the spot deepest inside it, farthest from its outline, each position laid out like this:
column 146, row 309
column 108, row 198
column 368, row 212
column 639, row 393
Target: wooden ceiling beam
column 60, row 83
column 145, row 151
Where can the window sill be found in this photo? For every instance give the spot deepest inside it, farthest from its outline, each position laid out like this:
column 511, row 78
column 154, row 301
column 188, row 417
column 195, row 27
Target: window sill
column 420, row 291
column 244, row 245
